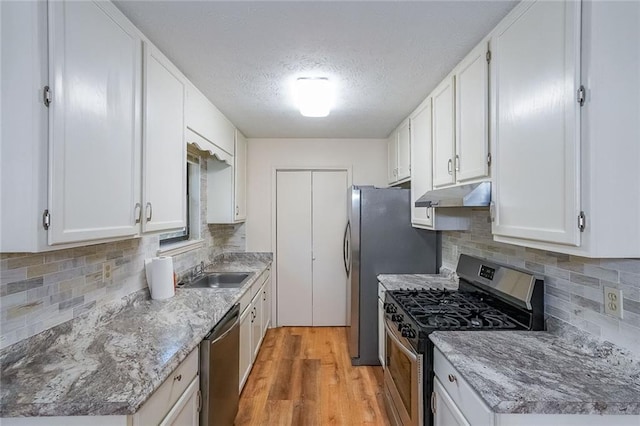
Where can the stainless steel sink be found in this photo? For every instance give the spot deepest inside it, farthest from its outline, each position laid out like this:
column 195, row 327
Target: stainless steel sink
column 219, row 280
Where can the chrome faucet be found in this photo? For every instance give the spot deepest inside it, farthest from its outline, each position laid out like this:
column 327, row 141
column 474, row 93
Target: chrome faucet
column 197, row 271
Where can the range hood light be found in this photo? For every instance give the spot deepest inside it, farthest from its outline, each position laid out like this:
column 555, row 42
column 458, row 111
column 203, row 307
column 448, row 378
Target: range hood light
column 313, row 96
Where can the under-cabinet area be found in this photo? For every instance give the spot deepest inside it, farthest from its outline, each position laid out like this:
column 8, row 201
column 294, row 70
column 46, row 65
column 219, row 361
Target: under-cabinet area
column 298, row 213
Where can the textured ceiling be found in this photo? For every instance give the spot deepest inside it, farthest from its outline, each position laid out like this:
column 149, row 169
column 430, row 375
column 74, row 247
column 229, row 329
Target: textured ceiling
column 384, row 57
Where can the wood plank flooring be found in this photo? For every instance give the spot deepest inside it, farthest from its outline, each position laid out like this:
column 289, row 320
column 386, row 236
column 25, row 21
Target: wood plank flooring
column 303, row 376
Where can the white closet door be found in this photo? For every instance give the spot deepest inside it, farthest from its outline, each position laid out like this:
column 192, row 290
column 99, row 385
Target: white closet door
column 293, row 245
column 329, row 221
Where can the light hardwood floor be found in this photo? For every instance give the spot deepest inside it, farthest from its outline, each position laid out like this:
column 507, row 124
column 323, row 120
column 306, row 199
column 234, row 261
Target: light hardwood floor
column 303, row 376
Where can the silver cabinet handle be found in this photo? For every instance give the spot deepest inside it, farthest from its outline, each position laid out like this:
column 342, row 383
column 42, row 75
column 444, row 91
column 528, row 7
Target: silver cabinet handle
column 449, row 166
column 149, row 209
column 457, row 163
column 237, row 210
column 451, row 378
column 429, row 213
column 178, row 377
column 433, row 402
column 137, row 212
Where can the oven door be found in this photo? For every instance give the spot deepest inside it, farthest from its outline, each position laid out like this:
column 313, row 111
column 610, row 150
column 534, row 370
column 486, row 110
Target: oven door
column 403, row 379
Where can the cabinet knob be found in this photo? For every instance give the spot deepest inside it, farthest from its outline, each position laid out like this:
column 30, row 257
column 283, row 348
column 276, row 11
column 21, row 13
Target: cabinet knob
column 451, row 378
column 137, row 212
column 149, row 210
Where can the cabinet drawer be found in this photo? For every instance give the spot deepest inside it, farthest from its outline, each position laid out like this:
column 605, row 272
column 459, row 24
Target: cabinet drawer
column 159, row 404
column 466, row 399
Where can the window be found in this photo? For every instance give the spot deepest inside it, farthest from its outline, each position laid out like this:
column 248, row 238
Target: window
column 191, row 232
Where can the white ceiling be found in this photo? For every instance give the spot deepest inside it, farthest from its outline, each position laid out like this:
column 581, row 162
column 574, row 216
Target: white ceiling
column 384, row 57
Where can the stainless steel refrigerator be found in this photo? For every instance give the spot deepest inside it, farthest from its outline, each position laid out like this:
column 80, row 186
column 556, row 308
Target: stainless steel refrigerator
column 379, row 239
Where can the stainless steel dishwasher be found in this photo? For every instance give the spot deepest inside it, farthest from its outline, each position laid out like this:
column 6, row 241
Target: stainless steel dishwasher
column 219, row 370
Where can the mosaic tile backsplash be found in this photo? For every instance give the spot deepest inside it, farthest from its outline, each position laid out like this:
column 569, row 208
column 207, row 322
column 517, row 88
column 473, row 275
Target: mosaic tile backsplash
column 574, row 286
column 40, row 291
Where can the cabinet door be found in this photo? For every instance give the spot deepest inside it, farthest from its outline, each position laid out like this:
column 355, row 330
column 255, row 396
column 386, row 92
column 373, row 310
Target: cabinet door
column 535, row 78
column 245, row 345
column 164, row 147
column 472, row 116
column 404, row 151
column 94, row 143
column 240, row 182
column 421, row 176
column 381, row 340
column 266, row 305
column 256, row 325
column 186, row 411
column 392, row 158
column 443, row 133
column 445, row 412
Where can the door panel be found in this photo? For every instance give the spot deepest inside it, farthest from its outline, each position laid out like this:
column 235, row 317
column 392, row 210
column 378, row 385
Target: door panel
column 536, row 123
column 443, row 133
column 94, row 136
column 293, row 247
column 329, row 221
column 421, row 176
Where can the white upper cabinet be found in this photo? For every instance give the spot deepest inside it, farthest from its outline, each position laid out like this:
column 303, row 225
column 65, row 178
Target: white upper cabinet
column 94, row 135
column 421, row 177
column 472, row 116
column 444, row 133
column 392, row 158
column 567, row 176
column 227, row 186
column 203, row 118
column 399, row 154
column 240, row 181
column 164, row 147
column 404, row 151
column 535, row 72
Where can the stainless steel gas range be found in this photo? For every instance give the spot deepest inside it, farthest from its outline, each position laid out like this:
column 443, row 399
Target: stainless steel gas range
column 490, row 297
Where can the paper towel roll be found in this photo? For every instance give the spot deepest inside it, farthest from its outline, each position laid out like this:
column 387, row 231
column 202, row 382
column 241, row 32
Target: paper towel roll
column 159, row 271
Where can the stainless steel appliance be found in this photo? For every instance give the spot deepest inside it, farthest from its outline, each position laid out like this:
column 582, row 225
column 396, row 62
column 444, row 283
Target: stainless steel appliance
column 379, row 239
column 490, row 297
column 219, row 371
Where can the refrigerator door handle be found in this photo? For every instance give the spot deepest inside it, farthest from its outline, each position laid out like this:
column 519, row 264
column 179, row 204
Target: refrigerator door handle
column 346, row 249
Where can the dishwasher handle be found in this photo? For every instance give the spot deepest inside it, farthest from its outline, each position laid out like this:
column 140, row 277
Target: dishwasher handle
column 230, row 320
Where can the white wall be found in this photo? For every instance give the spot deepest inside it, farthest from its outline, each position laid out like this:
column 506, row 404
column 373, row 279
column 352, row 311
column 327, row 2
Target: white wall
column 366, row 157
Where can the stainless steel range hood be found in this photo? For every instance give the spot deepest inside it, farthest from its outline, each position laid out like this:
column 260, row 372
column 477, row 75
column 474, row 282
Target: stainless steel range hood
column 472, row 195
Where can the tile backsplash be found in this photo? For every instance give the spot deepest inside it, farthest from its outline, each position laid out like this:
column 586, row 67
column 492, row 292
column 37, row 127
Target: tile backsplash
column 40, row 291
column 574, row 286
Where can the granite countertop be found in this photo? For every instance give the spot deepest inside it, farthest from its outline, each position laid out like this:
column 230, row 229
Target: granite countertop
column 111, row 361
column 537, row 372
column 445, row 280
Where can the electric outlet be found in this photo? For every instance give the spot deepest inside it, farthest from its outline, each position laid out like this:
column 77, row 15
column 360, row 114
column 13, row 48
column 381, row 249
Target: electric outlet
column 107, row 269
column 613, row 302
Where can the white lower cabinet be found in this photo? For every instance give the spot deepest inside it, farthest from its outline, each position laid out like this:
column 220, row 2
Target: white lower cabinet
column 445, row 412
column 381, row 333
column 455, row 402
column 172, row 399
column 186, row 412
column 254, row 305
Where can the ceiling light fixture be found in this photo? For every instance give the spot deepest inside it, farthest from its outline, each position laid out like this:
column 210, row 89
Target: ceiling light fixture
column 313, row 96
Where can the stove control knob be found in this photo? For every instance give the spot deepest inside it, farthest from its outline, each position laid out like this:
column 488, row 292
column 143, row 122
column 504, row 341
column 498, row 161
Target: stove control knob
column 390, row 309
column 408, row 332
column 401, row 327
column 397, row 317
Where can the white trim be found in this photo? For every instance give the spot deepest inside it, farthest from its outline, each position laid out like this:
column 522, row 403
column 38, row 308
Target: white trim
column 181, row 247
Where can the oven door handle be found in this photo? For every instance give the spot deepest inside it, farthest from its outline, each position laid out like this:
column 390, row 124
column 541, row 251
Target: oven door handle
column 408, row 352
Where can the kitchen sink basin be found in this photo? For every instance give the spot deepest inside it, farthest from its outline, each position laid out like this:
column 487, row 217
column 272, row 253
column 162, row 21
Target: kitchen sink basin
column 219, row 280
